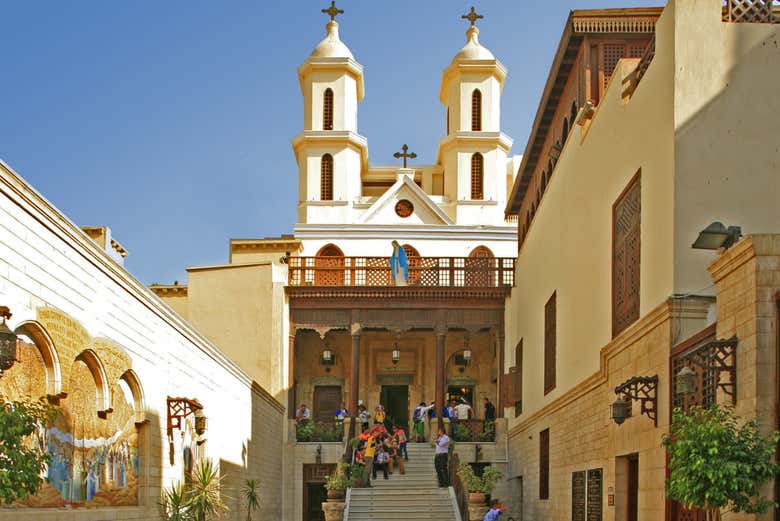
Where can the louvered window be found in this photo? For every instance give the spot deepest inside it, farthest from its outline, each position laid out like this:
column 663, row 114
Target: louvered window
column 327, row 110
column 477, row 176
column 476, row 110
column 626, row 221
column 549, row 345
column 544, row 464
column 326, row 178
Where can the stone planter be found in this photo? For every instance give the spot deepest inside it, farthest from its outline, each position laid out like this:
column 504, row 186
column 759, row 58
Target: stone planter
column 477, row 498
column 335, row 496
column 477, row 511
column 334, row 511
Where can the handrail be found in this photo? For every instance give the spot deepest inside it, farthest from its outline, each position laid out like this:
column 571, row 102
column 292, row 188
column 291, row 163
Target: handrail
column 460, row 493
column 488, row 272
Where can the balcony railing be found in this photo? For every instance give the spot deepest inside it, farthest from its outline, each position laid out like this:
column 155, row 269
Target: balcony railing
column 486, row 272
column 322, row 431
column 474, row 430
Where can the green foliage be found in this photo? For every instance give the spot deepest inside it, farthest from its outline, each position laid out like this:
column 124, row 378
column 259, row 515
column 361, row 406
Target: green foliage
column 489, row 432
column 717, row 462
column 319, row 431
column 251, row 497
column 473, row 483
column 461, row 433
column 339, row 479
column 200, row 498
column 22, row 456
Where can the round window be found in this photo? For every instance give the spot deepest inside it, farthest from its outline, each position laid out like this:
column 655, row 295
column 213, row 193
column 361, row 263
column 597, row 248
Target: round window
column 404, row 208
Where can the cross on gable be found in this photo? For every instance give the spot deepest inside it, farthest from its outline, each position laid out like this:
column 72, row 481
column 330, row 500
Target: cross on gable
column 472, row 16
column 332, row 11
column 405, row 155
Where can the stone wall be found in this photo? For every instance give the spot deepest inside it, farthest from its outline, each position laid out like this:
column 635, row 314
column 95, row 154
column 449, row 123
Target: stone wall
column 69, row 296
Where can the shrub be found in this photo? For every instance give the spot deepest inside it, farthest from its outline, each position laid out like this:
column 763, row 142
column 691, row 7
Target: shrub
column 340, row 479
column 473, row 483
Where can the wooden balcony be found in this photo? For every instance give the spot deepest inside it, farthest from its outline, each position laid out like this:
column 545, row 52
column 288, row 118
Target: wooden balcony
column 435, row 272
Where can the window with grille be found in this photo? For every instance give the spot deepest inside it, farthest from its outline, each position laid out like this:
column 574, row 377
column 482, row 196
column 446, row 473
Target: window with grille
column 327, row 110
column 326, row 178
column 476, row 110
column 549, row 344
column 544, row 464
column 519, row 378
column 612, row 53
column 477, row 176
column 626, row 221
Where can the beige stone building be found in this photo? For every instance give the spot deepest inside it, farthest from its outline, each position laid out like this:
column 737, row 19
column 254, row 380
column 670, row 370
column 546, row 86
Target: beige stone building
column 652, row 125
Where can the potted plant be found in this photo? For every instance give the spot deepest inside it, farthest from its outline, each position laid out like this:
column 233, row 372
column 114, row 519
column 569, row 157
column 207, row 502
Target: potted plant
column 337, row 483
column 478, row 486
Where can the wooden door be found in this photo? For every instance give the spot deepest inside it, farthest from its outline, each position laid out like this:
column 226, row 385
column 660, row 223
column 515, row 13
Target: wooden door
column 633, row 488
column 327, row 399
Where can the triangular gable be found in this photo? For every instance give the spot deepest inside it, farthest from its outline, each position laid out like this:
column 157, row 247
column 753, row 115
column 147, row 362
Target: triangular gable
column 425, row 210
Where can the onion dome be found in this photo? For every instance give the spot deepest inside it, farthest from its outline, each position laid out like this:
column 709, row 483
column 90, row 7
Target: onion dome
column 332, row 46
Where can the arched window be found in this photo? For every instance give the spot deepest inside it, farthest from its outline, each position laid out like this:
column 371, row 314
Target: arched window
column 480, row 268
column 329, row 266
column 326, row 178
column 477, row 176
column 573, row 115
column 565, row 129
column 103, row 396
column 327, row 110
column 476, row 110
column 544, row 181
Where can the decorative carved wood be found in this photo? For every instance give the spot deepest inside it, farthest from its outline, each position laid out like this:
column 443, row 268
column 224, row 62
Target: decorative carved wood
column 626, row 247
column 749, row 11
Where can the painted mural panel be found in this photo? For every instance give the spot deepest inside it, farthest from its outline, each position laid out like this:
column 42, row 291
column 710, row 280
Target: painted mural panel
column 95, row 460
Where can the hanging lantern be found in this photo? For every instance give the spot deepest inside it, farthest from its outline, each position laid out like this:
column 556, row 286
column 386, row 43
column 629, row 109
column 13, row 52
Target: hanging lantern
column 467, row 355
column 621, row 409
column 396, row 355
column 7, row 342
column 327, row 356
column 685, row 381
column 200, row 422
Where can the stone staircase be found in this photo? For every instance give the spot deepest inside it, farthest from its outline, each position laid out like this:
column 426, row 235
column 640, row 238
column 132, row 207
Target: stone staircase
column 413, row 496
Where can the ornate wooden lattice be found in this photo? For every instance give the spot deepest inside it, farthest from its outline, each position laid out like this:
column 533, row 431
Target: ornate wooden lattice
column 611, row 54
column 626, row 220
column 709, row 360
column 477, row 176
column 327, row 110
column 544, row 464
column 413, row 260
column 326, row 178
column 750, row 11
column 476, row 110
column 330, row 268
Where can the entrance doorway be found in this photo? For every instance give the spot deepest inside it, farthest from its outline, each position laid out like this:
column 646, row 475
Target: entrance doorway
column 633, row 488
column 314, row 493
column 460, row 393
column 327, row 398
column 395, row 399
column 627, row 488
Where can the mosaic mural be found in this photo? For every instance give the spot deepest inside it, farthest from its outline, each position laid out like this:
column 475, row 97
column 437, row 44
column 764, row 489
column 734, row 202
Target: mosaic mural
column 94, row 450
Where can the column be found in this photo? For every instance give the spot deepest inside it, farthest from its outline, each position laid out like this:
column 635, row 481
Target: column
column 354, row 375
column 291, row 373
column 441, row 337
column 500, row 381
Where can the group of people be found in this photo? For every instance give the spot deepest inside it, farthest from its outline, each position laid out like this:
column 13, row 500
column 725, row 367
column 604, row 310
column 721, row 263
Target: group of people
column 381, row 449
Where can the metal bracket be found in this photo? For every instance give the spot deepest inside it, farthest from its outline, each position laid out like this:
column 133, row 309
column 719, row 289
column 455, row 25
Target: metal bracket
column 645, row 390
column 714, row 356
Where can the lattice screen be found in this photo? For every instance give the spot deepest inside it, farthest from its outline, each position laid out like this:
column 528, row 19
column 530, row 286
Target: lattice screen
column 626, row 219
column 611, row 55
column 327, row 110
column 326, row 178
column 749, row 11
column 477, row 176
column 476, row 110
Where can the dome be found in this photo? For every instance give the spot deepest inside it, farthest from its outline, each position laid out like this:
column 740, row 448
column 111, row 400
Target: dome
column 473, row 50
column 331, row 46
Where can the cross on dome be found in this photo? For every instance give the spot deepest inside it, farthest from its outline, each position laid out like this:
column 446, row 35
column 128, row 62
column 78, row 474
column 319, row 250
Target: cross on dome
column 472, row 16
column 332, row 11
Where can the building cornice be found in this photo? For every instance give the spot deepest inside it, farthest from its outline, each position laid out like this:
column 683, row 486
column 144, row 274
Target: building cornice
column 391, row 231
column 492, row 67
column 349, row 65
column 733, row 258
column 24, row 196
column 333, row 137
column 469, row 139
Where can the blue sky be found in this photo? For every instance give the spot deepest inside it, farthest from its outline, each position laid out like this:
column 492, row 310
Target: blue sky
column 171, row 121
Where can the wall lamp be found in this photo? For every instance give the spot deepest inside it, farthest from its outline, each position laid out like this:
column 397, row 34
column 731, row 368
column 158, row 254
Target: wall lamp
column 641, row 388
column 717, row 356
column 717, row 236
column 7, row 342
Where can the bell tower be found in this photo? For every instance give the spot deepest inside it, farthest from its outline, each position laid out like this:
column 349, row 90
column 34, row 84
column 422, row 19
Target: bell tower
column 474, row 151
column 330, row 153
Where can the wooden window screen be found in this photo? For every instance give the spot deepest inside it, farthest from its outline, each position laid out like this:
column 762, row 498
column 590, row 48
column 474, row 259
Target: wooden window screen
column 626, row 246
column 544, row 464
column 326, row 178
column 611, row 55
column 549, row 344
column 327, row 110
column 477, row 176
column 519, row 378
column 476, row 110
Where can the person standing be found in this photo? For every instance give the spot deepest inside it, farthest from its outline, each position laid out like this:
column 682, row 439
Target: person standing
column 399, row 435
column 463, row 411
column 490, row 410
column 341, row 413
column 418, row 417
column 441, row 459
column 303, row 414
column 368, row 456
column 363, row 416
column 379, row 415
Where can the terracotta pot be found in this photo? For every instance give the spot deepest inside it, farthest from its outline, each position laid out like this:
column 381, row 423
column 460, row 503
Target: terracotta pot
column 333, row 511
column 335, row 495
column 477, row 498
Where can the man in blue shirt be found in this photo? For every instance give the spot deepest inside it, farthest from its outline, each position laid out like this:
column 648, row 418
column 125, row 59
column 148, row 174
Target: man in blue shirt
column 441, row 457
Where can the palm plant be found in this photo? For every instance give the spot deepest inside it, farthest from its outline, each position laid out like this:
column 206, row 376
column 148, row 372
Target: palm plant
column 251, row 497
column 205, row 491
column 173, row 504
